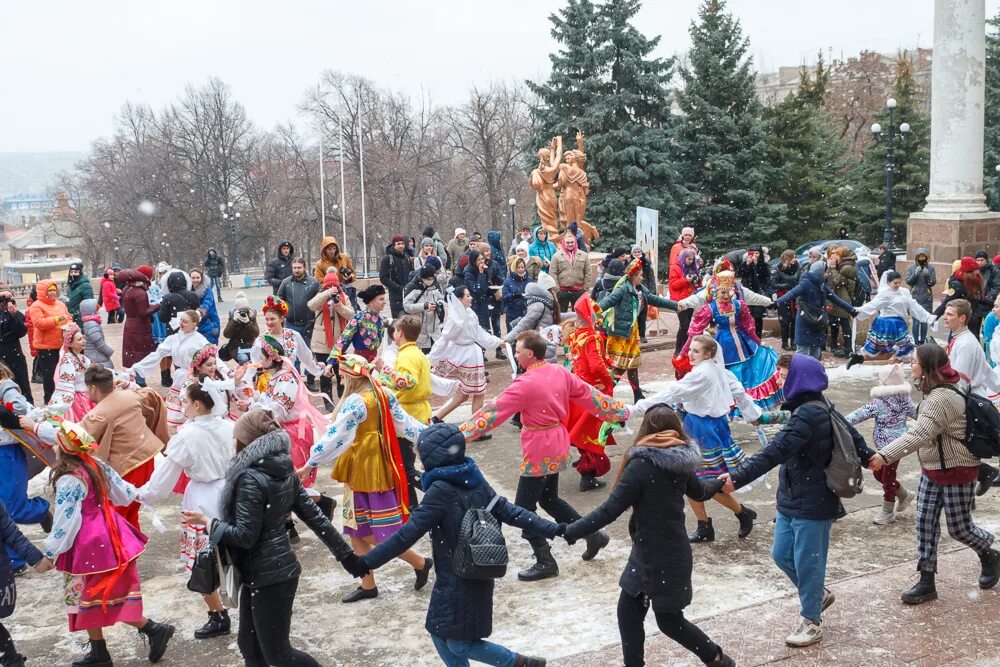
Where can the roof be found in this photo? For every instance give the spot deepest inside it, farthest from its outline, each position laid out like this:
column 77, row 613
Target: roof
column 52, row 234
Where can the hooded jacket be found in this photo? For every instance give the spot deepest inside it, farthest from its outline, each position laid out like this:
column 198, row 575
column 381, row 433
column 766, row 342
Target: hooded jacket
column 280, row 267
column 538, row 315
column 495, row 239
column 78, row 289
column 209, row 326
column 109, row 294
column 394, row 272
column 541, row 247
column 813, row 291
column 137, row 335
column 97, row 349
column 921, row 278
column 802, row 448
column 653, row 486
column 48, row 315
column 261, row 489
column 460, row 609
column 178, row 297
column 341, row 261
column 214, row 266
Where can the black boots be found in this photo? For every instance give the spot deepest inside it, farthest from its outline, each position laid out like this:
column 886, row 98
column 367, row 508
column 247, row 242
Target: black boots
column 703, row 533
column 423, row 574
column 326, row 505
column 746, row 518
column 922, row 591
column 987, row 474
column 159, row 635
column 595, row 542
column 722, row 661
column 637, row 395
column 991, row 569
column 15, row 659
column 360, row 594
column 588, row 482
column 165, row 379
column 545, row 565
column 97, row 656
column 218, row 625
column 528, row 661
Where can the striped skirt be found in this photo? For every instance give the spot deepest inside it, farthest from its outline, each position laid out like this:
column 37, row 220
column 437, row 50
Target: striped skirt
column 718, row 451
column 375, row 513
column 889, row 335
column 624, row 352
column 84, row 608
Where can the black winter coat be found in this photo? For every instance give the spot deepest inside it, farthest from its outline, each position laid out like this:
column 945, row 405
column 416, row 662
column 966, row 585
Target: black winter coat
column 459, row 608
column 261, row 489
column 12, row 330
column 785, row 278
column 653, row 485
column 178, row 299
column 757, row 276
column 802, row 448
column 214, row 266
column 394, row 272
column 17, row 543
column 280, row 267
column 956, row 290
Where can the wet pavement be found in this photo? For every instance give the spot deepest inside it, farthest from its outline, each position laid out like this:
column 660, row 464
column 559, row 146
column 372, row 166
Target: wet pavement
column 740, row 597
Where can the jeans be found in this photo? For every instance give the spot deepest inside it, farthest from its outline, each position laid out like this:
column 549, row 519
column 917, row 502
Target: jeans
column 265, row 620
column 632, row 612
column 814, row 351
column 216, row 285
column 47, row 362
column 800, row 550
column 458, row 652
column 544, row 491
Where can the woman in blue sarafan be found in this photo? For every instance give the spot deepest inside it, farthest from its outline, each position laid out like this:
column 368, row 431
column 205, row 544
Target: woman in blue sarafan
column 754, row 365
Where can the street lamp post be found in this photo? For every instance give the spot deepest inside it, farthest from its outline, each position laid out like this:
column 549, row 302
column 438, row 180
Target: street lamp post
column 890, row 133
column 513, row 227
column 996, row 202
column 233, row 217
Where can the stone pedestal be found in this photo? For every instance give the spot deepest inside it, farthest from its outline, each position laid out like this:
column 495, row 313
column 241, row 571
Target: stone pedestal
column 951, row 236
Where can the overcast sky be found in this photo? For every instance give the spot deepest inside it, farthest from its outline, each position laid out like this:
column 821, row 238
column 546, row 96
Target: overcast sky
column 66, row 66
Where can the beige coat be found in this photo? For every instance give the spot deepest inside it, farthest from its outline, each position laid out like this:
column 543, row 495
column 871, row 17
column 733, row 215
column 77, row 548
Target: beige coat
column 942, row 412
column 566, row 274
column 317, row 344
column 124, row 424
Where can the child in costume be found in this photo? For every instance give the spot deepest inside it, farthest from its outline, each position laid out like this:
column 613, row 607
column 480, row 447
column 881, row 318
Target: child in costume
column 97, row 548
column 623, row 306
column 70, row 398
column 201, row 450
column 706, row 395
column 755, row 365
column 363, row 444
column 888, row 333
column 890, row 406
column 366, row 327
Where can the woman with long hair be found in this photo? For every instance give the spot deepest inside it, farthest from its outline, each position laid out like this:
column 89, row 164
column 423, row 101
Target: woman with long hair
column 291, row 341
column 966, row 283
column 948, row 472
column 209, row 326
column 363, row 445
column 684, row 279
column 70, row 397
column 654, row 476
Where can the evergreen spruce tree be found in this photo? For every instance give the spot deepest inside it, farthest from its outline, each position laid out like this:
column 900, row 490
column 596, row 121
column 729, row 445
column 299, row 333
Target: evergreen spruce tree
column 617, row 95
column 991, row 152
column 805, row 157
column 723, row 153
column 865, row 196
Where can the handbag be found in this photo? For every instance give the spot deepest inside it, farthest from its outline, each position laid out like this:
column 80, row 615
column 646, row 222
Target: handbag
column 230, row 580
column 813, row 316
column 204, row 577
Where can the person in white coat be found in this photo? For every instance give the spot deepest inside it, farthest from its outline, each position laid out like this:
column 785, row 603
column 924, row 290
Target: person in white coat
column 888, row 333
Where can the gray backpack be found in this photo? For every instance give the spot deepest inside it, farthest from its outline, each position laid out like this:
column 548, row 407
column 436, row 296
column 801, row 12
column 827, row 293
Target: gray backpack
column 481, row 551
column 843, row 473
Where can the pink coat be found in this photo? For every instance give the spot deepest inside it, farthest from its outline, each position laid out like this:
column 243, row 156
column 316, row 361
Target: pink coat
column 109, row 294
column 543, row 396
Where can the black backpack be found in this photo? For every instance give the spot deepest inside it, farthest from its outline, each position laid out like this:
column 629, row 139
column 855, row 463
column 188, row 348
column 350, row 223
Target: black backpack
column 481, row 551
column 982, row 426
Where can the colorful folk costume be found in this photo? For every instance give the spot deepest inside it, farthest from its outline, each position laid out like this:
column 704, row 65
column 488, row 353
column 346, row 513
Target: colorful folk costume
column 586, row 348
column 754, row 365
column 181, row 348
column 202, row 451
column 365, row 329
column 70, row 397
column 458, row 353
column 363, row 444
column 294, row 345
column 91, row 543
column 237, row 395
column 888, row 333
column 282, row 391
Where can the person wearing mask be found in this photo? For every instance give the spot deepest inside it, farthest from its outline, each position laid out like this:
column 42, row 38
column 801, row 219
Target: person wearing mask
column 921, row 277
column 439, row 248
column 810, row 297
column 12, row 329
column 394, row 273
column 425, row 300
column 209, row 324
column 842, row 277
column 333, row 311
column 991, row 276
column 215, row 268
column 296, row 290
column 517, row 280
column 48, row 316
column 280, row 266
column 523, row 236
column 756, row 276
column 455, row 249
column 542, row 248
column 570, row 268
column 784, row 277
column 78, row 288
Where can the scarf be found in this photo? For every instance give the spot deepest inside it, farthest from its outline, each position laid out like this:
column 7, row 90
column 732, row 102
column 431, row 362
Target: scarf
column 465, row 475
column 662, row 439
column 571, row 256
column 331, row 280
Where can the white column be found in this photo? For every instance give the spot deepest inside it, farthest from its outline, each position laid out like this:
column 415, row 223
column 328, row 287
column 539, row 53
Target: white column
column 958, row 86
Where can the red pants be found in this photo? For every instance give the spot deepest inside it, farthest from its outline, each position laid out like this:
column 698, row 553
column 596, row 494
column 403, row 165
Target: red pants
column 887, row 476
column 593, row 463
column 136, row 478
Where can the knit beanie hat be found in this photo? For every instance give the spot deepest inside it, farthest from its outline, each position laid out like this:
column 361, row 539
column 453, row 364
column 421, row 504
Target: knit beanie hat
column 145, row 270
column 427, row 272
column 891, row 374
column 426, row 242
column 434, row 262
column 241, row 301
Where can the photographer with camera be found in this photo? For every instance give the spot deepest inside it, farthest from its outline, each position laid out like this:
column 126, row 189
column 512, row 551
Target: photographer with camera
column 333, row 310
column 12, row 330
column 425, row 301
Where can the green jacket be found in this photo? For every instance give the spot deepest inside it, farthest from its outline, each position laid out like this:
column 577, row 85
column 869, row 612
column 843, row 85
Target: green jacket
column 625, row 301
column 76, row 293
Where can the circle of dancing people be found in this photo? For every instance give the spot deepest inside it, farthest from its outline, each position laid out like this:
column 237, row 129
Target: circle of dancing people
column 242, row 433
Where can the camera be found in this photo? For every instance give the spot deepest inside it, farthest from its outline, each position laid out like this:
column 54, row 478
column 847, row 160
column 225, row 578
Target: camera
column 439, row 309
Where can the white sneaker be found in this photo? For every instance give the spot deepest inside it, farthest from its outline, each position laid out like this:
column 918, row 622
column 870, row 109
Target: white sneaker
column 807, row 634
column 903, row 499
column 885, row 515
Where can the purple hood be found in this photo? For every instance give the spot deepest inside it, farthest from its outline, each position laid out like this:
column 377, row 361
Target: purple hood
column 805, row 375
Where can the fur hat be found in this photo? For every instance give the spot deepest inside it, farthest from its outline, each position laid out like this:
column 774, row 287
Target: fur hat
column 370, row 292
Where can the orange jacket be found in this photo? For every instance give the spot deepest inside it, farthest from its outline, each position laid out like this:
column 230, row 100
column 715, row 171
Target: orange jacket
column 48, row 316
column 343, row 261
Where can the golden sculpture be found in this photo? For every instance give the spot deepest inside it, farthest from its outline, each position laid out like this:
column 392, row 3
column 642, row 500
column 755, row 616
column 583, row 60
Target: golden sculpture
column 573, row 184
column 543, row 182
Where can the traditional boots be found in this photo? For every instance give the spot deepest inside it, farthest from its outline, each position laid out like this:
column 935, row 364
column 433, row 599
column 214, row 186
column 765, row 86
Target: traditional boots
column 545, row 566
column 991, row 568
column 922, row 591
column 987, row 474
column 218, row 625
column 165, row 379
column 97, row 656
column 159, row 635
column 326, row 505
column 704, row 533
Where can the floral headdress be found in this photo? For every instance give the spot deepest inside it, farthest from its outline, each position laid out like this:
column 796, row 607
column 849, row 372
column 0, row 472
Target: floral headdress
column 271, row 348
column 276, row 304
column 200, row 357
column 724, row 281
column 69, row 330
column 634, row 267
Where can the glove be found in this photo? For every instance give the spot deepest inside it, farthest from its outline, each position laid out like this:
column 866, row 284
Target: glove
column 355, row 565
column 560, row 530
